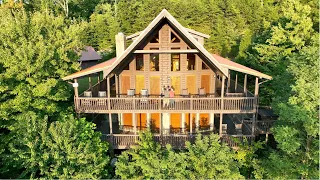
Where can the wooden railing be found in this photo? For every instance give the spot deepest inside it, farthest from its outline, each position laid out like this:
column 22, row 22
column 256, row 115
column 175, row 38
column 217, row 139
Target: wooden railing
column 231, row 104
column 125, row 141
column 235, row 140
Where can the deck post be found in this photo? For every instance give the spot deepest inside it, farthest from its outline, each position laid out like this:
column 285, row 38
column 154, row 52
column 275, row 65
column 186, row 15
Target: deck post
column 197, row 121
column 183, row 121
column 76, row 93
column 254, row 118
column 134, row 122
column 109, row 104
column 214, row 84
column 222, row 105
column 245, row 85
column 228, row 84
column 148, row 120
column 117, row 85
column 236, row 83
column 90, row 83
column 211, row 121
column 190, row 123
column 75, row 86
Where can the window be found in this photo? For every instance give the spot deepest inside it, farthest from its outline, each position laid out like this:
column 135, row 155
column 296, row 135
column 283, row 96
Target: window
column 155, row 38
column 175, row 61
column 139, row 62
column 154, row 60
column 174, row 38
column 204, row 66
column 191, row 61
column 126, row 67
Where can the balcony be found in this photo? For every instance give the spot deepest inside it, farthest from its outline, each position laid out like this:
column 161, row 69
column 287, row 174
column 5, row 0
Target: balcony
column 229, row 104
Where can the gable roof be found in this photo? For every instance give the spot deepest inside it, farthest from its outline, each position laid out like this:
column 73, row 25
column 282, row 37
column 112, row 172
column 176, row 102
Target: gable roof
column 191, row 31
column 93, row 69
column 178, row 27
column 89, row 54
column 238, row 67
column 223, row 61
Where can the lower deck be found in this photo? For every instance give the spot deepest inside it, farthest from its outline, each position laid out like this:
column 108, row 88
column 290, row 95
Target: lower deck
column 176, row 131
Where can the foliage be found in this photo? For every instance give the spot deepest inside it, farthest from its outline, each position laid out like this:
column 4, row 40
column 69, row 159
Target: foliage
column 206, row 158
column 65, row 149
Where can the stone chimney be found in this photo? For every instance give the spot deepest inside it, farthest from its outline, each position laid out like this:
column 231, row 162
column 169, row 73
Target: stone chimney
column 120, row 44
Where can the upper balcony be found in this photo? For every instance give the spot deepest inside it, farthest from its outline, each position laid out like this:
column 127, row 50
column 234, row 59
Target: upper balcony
column 157, row 104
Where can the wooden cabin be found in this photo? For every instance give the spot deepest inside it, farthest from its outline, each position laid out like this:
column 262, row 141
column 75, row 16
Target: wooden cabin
column 89, row 57
column 133, row 93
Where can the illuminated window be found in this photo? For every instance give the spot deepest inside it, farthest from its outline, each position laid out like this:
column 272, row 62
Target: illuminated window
column 174, row 38
column 139, row 62
column 154, row 60
column 191, row 61
column 155, row 38
column 175, row 61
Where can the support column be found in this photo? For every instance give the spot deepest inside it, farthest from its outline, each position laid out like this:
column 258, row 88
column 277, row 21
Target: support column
column 228, row 84
column 90, row 83
column 245, row 85
column 117, row 85
column 148, row 120
column 76, row 94
column 214, row 84
column 134, row 122
column 197, row 121
column 236, row 83
column 190, row 123
column 222, row 105
column 109, row 105
column 211, row 121
column 254, row 118
column 183, row 122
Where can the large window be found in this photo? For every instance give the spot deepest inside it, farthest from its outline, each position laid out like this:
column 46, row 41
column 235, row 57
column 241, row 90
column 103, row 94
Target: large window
column 175, row 61
column 139, row 62
column 191, row 62
column 155, row 38
column 204, row 66
column 174, row 38
column 154, row 60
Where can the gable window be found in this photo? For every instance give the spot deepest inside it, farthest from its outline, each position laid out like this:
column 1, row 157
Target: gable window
column 155, row 38
column 174, row 38
column 154, row 60
column 139, row 62
column 126, row 67
column 175, row 61
column 191, row 62
column 204, row 66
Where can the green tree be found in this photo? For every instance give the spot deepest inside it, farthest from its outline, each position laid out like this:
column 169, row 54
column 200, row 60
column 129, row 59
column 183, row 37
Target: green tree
column 206, row 158
column 65, row 149
column 149, row 160
column 37, row 50
column 102, row 28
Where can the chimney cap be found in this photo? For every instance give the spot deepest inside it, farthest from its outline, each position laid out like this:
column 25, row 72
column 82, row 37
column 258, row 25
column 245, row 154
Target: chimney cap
column 120, row 33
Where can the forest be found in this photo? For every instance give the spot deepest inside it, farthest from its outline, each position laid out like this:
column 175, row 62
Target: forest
column 41, row 136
